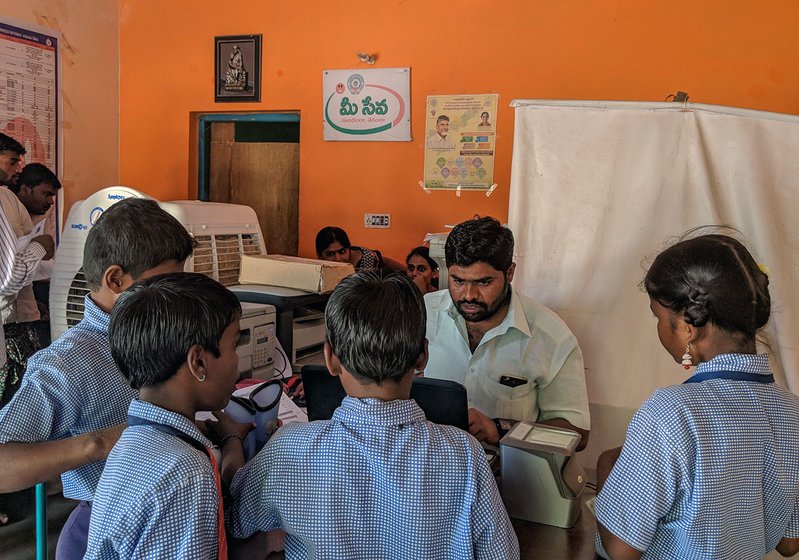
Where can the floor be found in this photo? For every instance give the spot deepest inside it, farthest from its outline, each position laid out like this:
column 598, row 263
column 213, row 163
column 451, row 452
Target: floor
column 18, row 538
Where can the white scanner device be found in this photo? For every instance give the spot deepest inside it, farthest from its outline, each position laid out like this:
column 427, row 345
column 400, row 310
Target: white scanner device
column 540, row 479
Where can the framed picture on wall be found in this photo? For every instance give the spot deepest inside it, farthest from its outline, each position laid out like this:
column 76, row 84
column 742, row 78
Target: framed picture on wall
column 237, row 68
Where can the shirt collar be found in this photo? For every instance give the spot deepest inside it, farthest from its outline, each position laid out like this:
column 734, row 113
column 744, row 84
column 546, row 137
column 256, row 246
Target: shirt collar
column 95, row 316
column 154, row 413
column 747, row 363
column 378, row 412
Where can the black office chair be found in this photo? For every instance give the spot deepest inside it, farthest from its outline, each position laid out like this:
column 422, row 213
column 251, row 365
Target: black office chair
column 443, row 401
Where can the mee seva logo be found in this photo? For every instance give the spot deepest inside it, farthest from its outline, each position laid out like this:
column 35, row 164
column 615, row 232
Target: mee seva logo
column 365, row 109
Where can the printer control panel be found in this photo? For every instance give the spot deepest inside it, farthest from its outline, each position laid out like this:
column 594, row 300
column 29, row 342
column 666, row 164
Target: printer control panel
column 263, row 344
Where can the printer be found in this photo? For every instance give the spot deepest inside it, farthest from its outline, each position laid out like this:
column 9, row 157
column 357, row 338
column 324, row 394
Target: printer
column 257, row 341
column 541, row 481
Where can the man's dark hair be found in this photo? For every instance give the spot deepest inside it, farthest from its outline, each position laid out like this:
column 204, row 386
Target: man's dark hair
column 442, row 118
column 480, row 240
column 9, row 144
column 328, row 235
column 376, row 325
column 33, row 175
column 137, row 235
column 154, row 324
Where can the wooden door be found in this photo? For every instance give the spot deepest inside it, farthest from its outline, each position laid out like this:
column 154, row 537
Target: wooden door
column 264, row 175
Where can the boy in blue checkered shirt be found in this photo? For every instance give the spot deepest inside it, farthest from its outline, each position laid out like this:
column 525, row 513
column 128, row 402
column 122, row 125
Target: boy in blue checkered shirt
column 72, row 404
column 174, row 339
column 378, row 480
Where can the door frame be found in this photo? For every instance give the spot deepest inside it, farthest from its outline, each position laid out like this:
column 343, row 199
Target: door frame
column 204, row 140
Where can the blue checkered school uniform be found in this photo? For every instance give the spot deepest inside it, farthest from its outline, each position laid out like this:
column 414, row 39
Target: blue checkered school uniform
column 70, row 388
column 376, row 481
column 709, row 469
column 157, row 497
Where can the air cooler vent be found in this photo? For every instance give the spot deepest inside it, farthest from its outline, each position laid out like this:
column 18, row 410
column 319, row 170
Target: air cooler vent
column 219, row 256
column 77, row 292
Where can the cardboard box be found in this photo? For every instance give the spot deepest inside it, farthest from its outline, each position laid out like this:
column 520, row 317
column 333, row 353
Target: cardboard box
column 311, row 275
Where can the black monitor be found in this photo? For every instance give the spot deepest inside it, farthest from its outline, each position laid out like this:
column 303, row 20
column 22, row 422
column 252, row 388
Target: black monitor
column 443, row 401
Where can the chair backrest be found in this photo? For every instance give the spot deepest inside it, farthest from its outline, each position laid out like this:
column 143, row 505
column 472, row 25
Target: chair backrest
column 443, row 401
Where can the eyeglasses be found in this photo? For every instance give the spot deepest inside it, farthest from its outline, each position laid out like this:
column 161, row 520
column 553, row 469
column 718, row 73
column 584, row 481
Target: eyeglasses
column 418, row 267
column 330, row 254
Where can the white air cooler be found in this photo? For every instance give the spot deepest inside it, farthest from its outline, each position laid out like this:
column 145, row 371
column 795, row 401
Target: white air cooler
column 223, row 232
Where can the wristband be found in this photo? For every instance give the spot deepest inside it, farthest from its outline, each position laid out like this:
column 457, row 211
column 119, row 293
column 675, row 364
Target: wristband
column 227, row 437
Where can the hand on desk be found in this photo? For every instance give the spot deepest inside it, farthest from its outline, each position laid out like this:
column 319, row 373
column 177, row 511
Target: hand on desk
column 482, row 427
column 295, row 390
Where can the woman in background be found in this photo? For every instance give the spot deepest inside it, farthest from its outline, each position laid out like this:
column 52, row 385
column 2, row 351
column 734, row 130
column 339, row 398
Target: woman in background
column 422, row 269
column 333, row 244
column 709, row 468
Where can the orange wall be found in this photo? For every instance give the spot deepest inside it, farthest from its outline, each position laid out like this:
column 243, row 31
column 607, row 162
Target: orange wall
column 729, row 53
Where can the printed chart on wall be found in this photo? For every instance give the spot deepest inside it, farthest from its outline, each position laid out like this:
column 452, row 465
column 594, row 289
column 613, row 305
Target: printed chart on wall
column 367, row 105
column 29, row 92
column 460, row 138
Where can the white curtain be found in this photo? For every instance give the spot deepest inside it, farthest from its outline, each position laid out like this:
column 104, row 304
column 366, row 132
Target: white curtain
column 599, row 187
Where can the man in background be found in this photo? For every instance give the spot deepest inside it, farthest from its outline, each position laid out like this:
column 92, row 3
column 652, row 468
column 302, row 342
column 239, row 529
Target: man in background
column 36, row 188
column 18, row 309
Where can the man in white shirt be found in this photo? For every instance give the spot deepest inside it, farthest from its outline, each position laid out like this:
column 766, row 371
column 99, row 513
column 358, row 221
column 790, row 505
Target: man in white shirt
column 18, row 307
column 517, row 359
column 37, row 188
column 440, row 140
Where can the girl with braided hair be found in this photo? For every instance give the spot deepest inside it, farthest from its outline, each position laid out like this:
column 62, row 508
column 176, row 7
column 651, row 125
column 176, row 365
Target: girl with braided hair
column 709, row 468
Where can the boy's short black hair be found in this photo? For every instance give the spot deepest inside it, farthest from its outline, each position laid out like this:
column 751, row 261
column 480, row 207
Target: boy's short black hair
column 11, row 145
column 376, row 325
column 155, row 323
column 480, row 240
column 33, row 175
column 137, row 235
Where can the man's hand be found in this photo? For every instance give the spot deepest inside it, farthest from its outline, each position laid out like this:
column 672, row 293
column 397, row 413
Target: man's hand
column 482, row 427
column 47, row 242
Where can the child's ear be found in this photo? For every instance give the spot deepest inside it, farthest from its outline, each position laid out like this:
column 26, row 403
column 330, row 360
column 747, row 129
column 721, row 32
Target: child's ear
column 421, row 361
column 331, row 360
column 195, row 360
column 115, row 279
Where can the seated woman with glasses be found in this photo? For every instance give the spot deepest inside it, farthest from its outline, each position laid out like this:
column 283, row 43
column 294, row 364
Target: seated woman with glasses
column 333, row 244
column 422, row 269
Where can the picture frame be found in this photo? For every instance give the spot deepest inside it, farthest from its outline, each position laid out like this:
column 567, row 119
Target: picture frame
column 237, row 68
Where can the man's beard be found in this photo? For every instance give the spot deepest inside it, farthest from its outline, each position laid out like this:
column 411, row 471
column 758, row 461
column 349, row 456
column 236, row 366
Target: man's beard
column 486, row 310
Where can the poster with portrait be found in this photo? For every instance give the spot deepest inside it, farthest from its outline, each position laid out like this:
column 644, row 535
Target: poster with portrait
column 367, row 104
column 460, row 138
